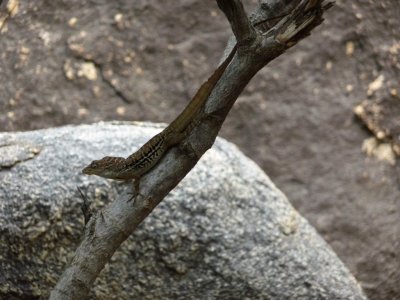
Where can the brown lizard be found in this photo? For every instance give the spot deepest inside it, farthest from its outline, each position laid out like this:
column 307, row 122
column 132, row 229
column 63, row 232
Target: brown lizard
column 137, row 164
column 143, row 160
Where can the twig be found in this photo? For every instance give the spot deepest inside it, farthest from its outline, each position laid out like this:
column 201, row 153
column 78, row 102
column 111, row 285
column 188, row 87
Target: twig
column 85, row 207
column 243, row 30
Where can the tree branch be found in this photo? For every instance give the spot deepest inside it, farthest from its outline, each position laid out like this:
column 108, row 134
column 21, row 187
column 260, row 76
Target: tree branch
column 241, row 27
column 107, row 229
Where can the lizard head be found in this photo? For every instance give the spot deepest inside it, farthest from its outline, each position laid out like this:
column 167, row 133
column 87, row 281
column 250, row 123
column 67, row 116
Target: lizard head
column 106, row 167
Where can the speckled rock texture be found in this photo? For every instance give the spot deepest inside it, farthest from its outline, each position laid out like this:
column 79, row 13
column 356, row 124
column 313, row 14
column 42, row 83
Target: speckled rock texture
column 226, row 232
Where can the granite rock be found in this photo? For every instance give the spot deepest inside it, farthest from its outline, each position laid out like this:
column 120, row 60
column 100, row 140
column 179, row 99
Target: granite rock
column 226, row 231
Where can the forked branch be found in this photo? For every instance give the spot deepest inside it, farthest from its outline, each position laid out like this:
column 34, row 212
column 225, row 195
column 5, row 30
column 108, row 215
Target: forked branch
column 288, row 22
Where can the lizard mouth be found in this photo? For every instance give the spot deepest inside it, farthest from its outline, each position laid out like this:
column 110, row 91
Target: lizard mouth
column 87, row 171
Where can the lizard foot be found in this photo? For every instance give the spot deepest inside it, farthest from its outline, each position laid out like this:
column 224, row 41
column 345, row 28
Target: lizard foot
column 135, row 191
column 133, row 196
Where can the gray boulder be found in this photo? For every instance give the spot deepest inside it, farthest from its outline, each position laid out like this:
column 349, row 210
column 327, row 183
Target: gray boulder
column 226, row 232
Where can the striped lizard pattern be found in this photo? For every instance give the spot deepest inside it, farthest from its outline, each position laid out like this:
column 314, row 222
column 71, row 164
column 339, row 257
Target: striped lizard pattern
column 292, row 27
column 143, row 160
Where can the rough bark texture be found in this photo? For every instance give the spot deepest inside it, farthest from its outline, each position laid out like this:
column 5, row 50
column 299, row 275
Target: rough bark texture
column 294, row 119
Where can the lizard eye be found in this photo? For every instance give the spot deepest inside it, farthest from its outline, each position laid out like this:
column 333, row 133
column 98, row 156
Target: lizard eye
column 94, row 165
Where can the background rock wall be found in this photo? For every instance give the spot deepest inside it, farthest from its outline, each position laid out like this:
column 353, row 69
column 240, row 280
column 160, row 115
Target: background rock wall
column 68, row 62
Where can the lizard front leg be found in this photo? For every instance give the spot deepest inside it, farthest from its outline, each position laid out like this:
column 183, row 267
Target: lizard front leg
column 135, row 188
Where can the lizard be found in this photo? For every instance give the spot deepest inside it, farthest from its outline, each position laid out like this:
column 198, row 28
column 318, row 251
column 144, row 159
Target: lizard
column 146, row 157
column 143, row 160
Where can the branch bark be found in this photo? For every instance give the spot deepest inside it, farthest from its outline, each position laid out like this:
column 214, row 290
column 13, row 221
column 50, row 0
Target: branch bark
column 108, row 228
column 241, row 26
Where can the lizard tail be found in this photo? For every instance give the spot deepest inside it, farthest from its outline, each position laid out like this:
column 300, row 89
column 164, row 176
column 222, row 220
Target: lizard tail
column 200, row 98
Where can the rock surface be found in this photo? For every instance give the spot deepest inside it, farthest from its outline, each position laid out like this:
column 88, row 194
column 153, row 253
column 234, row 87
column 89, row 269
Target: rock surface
column 225, row 233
